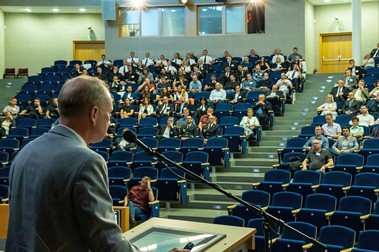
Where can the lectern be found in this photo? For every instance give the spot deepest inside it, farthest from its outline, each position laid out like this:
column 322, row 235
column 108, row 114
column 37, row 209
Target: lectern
column 160, row 234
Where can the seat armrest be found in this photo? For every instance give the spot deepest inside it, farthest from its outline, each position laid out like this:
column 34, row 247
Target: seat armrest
column 328, row 214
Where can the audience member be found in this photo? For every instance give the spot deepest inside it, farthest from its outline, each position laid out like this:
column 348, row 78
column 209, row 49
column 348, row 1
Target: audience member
column 261, row 108
column 345, row 143
column 264, row 66
column 361, row 93
column 329, row 107
column 145, row 109
column 253, row 57
column 211, row 84
column 204, row 119
column 277, row 54
column 356, row 130
column 138, row 198
column 177, row 61
column 12, row 107
column 101, row 74
column 195, row 85
column 168, row 130
column 130, row 77
column 145, row 74
column 249, row 123
column 189, row 129
column 206, row 58
column 147, row 61
column 217, row 95
column 375, row 90
column 368, row 61
column 365, row 119
column 127, row 109
column 275, row 98
column 201, row 108
column 318, row 159
column 318, row 136
column 349, row 80
column 295, row 53
column 211, row 129
column 237, row 96
column 265, row 84
column 356, row 71
column 129, row 93
column 373, row 106
column 330, row 128
column 116, row 85
column 230, row 86
column 339, row 92
column 164, row 109
column 247, row 64
column 224, row 77
column 258, row 74
column 114, row 72
column 295, row 76
column 52, row 109
column 232, row 64
column 375, row 51
column 35, row 111
column 241, row 73
column 248, row 84
column 284, row 84
column 104, row 63
column 6, row 124
column 78, row 70
column 351, row 105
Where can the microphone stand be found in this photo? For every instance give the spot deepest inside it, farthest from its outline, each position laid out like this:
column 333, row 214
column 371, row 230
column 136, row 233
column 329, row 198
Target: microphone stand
column 268, row 218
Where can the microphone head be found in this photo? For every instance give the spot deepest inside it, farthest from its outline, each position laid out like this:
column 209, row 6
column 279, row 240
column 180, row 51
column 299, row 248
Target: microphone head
column 129, row 136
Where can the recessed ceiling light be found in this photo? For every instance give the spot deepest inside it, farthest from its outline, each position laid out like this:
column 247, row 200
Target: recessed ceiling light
column 82, row 10
column 28, row 10
column 55, row 10
column 326, row 1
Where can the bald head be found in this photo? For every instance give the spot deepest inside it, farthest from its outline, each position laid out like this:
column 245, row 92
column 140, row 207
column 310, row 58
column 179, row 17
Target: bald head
column 80, row 94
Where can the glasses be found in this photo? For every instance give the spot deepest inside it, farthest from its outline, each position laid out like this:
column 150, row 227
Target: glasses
column 315, row 143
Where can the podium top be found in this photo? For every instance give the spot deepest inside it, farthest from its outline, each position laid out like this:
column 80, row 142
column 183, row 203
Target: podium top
column 231, row 238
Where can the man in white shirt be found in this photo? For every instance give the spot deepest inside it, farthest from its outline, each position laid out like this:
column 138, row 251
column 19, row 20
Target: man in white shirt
column 147, row 61
column 206, row 58
column 218, row 94
column 365, row 119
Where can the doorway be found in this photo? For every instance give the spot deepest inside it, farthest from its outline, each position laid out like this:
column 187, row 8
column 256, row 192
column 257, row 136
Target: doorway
column 88, row 50
column 335, row 52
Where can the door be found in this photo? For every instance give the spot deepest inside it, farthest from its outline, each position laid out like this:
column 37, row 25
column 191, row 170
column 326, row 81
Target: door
column 88, row 50
column 335, row 52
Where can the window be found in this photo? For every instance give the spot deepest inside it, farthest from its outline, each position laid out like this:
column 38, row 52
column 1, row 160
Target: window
column 152, row 22
column 221, row 19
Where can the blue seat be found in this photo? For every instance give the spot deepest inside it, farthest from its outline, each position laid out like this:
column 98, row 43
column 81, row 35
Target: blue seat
column 335, row 243
column 252, row 97
column 307, row 131
column 35, row 80
column 172, row 185
column 4, row 175
column 104, row 145
column 173, row 155
column 318, row 120
column 121, row 158
column 343, row 120
column 255, row 197
column 304, row 182
column 129, row 122
column 227, row 121
column 119, row 175
column 257, row 223
column 293, row 145
column 274, row 181
column 285, row 205
column 368, row 241
column 198, row 163
column 335, row 183
column 50, row 80
column 222, row 110
column 285, row 164
column 45, row 122
column 4, row 193
column 147, row 131
column 351, row 212
column 373, row 220
column 29, row 89
column 291, row 241
column 118, row 194
column 26, row 122
column 170, row 143
column 19, row 133
column 236, row 139
column 60, row 62
column 36, row 132
column 369, row 146
column 229, row 220
column 141, row 158
column 104, row 154
column 150, row 142
column 218, row 151
column 148, row 122
column 317, row 209
column 240, row 109
column 349, row 163
column 191, row 144
column 365, row 184
column 4, row 157
column 140, row 172
column 9, row 145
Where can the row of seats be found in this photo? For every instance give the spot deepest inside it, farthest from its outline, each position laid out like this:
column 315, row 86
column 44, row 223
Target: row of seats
column 336, row 238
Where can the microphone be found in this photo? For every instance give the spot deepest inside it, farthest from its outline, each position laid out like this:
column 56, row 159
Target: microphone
column 131, row 137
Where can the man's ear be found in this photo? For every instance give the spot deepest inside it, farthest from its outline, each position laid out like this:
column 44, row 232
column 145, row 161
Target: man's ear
column 93, row 114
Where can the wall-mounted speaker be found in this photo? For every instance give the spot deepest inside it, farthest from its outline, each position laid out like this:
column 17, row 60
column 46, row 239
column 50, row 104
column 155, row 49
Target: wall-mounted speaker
column 108, row 9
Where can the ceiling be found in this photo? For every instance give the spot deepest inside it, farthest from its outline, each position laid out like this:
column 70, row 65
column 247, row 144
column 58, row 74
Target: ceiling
column 97, row 9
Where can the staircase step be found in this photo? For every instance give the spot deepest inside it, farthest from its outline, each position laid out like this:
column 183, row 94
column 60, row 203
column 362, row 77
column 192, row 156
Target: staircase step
column 254, row 162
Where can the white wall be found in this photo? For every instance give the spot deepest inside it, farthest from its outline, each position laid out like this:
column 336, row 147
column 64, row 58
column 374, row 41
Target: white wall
column 2, row 46
column 36, row 40
column 325, row 22
column 284, row 29
column 309, row 36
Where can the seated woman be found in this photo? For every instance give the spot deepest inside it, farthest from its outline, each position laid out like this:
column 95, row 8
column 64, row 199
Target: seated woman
column 249, row 123
column 329, row 107
column 145, row 109
column 375, row 90
column 7, row 124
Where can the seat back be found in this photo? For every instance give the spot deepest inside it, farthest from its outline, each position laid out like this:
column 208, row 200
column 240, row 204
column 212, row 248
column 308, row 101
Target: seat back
column 148, row 121
column 345, row 237
column 337, row 178
column 350, row 159
column 172, row 172
column 287, row 156
column 234, row 130
column 175, row 156
column 307, row 131
column 307, row 176
column 122, row 155
column 321, row 201
column 367, row 179
column 372, row 159
column 368, row 239
column 172, row 142
column 303, row 227
column 274, row 175
column 287, row 199
column 141, row 172
column 296, row 142
column 198, row 156
column 193, row 143
column 119, row 171
column 229, row 220
column 217, row 142
column 257, row 197
column 356, row 204
column 371, row 143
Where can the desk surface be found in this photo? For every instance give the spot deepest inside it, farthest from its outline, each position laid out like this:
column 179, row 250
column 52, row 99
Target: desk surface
column 235, row 236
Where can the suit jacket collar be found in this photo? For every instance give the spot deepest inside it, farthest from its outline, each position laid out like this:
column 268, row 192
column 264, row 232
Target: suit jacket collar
column 68, row 132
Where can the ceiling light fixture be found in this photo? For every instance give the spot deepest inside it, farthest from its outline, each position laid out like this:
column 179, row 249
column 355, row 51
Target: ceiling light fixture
column 82, row 10
column 55, row 10
column 27, row 10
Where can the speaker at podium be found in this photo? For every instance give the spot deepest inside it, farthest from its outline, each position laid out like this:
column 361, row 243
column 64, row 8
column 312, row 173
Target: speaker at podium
column 160, row 234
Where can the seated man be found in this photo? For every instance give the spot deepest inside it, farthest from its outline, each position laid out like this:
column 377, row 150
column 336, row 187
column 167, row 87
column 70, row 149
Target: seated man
column 351, row 105
column 361, row 93
column 35, row 111
column 317, row 159
column 261, row 108
column 138, row 198
column 217, row 95
column 210, row 130
column 12, row 107
column 345, row 143
column 168, row 130
column 122, row 144
column 356, row 130
column 189, row 129
column 330, row 128
column 52, row 109
column 164, row 109
column 365, row 119
column 318, row 136
column 238, row 95
column 275, row 98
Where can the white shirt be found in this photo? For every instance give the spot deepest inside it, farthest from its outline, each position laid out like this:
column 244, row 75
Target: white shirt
column 366, row 120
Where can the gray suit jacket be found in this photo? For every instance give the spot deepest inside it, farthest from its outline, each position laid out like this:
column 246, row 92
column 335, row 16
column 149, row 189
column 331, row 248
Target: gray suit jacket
column 59, row 199
column 351, row 144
